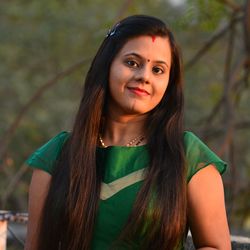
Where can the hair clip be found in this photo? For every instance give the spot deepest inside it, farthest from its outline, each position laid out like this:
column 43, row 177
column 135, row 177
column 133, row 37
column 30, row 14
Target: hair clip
column 112, row 31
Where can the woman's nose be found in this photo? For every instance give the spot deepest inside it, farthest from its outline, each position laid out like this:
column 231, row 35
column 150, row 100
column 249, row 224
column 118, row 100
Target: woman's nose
column 143, row 75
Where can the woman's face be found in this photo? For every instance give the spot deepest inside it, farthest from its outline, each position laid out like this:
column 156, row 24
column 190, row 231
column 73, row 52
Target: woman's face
column 139, row 75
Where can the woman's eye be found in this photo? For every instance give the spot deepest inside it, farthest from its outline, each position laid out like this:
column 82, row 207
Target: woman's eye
column 132, row 63
column 158, row 70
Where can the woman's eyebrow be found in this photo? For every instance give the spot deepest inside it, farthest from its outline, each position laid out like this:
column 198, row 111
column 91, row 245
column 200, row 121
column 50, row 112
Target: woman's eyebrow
column 142, row 58
column 134, row 54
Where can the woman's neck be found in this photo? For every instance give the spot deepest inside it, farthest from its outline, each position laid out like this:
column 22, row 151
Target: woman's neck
column 121, row 130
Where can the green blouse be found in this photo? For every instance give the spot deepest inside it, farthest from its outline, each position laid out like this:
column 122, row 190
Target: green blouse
column 123, row 177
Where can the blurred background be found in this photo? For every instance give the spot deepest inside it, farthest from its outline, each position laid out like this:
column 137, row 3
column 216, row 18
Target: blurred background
column 46, row 48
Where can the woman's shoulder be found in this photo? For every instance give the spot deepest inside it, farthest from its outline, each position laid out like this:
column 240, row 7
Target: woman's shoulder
column 199, row 155
column 45, row 156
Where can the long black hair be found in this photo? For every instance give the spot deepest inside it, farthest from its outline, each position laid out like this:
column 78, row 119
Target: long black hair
column 70, row 209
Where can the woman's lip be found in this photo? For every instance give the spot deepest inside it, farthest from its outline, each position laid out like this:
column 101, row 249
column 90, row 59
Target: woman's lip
column 138, row 91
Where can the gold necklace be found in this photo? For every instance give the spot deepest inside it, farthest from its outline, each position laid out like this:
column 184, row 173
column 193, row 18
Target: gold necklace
column 102, row 142
column 134, row 142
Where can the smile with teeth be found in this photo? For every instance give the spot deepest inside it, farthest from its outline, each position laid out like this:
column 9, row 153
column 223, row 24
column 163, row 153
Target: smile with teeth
column 138, row 91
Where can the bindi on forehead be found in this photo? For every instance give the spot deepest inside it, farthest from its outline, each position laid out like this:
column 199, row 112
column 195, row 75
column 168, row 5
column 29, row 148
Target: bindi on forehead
column 153, row 38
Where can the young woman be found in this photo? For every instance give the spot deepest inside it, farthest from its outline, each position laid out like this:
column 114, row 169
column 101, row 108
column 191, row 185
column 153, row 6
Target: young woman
column 128, row 176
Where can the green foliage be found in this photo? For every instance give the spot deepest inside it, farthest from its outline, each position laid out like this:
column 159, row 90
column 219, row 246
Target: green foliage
column 201, row 14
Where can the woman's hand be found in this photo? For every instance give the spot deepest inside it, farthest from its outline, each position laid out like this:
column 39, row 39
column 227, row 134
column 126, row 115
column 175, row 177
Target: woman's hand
column 206, row 211
column 37, row 194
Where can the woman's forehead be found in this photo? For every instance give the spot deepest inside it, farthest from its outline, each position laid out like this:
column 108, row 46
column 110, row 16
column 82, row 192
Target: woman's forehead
column 153, row 47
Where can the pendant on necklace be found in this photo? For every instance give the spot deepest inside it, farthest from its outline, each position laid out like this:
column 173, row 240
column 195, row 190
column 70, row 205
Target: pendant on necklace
column 134, row 142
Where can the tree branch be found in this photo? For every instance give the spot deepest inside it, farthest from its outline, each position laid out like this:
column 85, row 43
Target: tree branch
column 235, row 7
column 216, row 131
column 228, row 78
column 215, row 110
column 218, row 105
column 13, row 183
column 5, row 140
column 246, row 24
column 217, row 36
column 246, row 28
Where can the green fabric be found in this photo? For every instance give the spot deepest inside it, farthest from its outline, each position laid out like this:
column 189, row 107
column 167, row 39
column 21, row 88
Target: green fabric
column 198, row 156
column 120, row 162
column 45, row 157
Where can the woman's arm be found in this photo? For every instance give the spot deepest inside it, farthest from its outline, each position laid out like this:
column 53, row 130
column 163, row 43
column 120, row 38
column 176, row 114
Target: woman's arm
column 206, row 210
column 37, row 194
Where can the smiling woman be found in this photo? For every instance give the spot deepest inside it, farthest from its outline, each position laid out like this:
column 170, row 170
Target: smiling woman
column 139, row 75
column 128, row 176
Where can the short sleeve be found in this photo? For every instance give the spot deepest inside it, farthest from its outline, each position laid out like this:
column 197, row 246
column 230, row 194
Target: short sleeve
column 45, row 157
column 198, row 156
